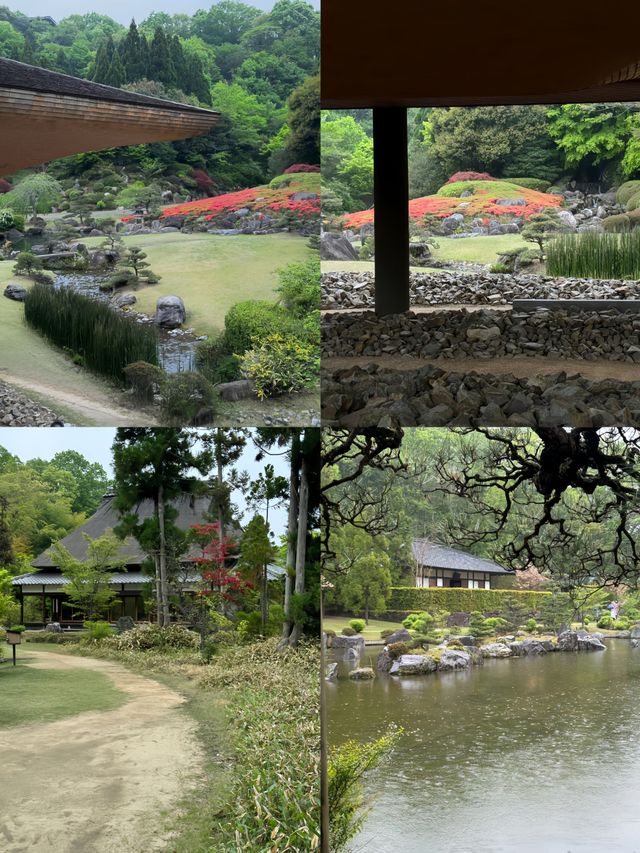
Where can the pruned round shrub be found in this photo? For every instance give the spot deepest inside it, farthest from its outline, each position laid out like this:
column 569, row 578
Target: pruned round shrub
column 145, row 379
column 470, row 176
column 396, row 650
column 348, row 632
column 617, row 223
column 280, row 365
column 387, row 632
column 605, row 621
column 358, row 625
column 421, row 623
column 253, row 319
column 634, row 202
column 187, row 398
column 626, row 190
column 537, row 184
column 301, row 167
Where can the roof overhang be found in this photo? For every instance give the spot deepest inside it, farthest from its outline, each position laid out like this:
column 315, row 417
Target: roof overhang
column 426, row 54
column 39, row 125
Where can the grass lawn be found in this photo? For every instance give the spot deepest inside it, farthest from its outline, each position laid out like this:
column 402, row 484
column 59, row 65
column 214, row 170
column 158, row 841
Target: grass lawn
column 212, row 273
column 29, row 694
column 371, row 632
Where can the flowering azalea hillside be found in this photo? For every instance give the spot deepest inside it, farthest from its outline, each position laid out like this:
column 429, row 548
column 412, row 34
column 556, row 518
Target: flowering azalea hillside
column 484, row 197
column 295, row 193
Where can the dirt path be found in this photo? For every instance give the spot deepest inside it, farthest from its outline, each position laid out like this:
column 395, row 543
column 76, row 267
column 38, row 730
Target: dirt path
column 98, row 781
column 520, row 366
column 91, row 408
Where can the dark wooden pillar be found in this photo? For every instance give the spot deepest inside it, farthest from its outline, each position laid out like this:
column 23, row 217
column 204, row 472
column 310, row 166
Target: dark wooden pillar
column 21, row 607
column 44, row 607
column 391, row 200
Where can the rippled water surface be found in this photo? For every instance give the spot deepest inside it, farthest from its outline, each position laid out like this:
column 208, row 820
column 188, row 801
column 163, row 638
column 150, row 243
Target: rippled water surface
column 529, row 755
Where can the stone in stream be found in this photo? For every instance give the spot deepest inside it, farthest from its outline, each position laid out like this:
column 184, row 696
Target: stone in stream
column 16, row 292
column 496, row 650
column 352, row 646
column 635, row 632
column 170, row 312
column 331, row 672
column 454, row 659
column 363, row 673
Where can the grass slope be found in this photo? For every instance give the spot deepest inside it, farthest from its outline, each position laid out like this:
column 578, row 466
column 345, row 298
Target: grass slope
column 212, row 273
column 29, row 695
column 371, row 632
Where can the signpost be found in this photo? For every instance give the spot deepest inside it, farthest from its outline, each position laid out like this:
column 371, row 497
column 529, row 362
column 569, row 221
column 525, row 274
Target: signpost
column 14, row 638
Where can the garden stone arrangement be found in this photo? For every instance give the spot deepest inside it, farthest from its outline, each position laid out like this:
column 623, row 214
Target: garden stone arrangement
column 356, row 290
column 18, row 410
column 362, row 397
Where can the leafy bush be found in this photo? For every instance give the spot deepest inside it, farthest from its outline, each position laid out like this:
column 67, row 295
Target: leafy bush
column 590, row 255
column 358, row 625
column 459, row 599
column 299, row 286
column 617, row 223
column 149, row 636
column 396, row 650
column 471, row 176
column 107, row 340
column 531, row 625
column 215, row 362
column 97, row 630
column 301, row 167
column 419, row 622
column 27, row 262
column 387, row 632
column 281, row 365
column 145, row 380
column 495, row 623
column 605, row 621
column 500, row 268
column 187, row 398
column 7, row 220
column 348, row 632
column 253, row 319
column 53, row 637
column 626, row 191
column 478, row 625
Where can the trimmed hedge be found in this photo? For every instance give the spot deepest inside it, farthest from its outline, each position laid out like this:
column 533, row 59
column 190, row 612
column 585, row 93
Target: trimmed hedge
column 459, row 599
column 538, row 184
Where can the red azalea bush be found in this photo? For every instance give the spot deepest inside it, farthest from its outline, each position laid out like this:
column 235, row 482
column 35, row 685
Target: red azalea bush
column 301, row 167
column 5, row 186
column 204, row 183
column 470, row 176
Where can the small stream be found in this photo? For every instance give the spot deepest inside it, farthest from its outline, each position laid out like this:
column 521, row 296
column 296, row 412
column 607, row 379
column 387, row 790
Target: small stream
column 176, row 351
column 526, row 755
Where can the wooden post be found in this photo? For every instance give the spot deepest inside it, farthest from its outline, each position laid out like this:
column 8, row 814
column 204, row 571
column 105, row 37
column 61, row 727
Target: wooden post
column 44, row 608
column 391, row 200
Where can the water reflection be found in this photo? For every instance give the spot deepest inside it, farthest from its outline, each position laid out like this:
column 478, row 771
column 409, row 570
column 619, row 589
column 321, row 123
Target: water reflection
column 530, row 755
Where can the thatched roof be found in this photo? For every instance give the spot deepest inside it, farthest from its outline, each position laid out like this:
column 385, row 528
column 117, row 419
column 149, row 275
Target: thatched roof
column 435, row 556
column 191, row 510
column 500, row 52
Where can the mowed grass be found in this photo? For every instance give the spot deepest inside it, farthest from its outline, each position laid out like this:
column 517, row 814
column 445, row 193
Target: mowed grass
column 472, row 250
column 212, row 273
column 371, row 632
column 29, row 695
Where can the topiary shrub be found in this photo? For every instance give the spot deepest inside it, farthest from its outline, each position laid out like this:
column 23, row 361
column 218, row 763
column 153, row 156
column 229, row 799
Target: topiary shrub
column 471, row 176
column 617, row 223
column 537, row 184
column 146, row 380
column 387, row 633
column 358, row 625
column 421, row 623
column 396, row 650
column 348, row 632
column 255, row 319
column 626, row 190
column 187, row 398
column 634, row 202
column 459, row 599
column 27, row 263
column 605, row 621
column 301, row 167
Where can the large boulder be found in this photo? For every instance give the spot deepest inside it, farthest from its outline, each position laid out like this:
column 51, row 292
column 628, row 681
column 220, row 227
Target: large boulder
column 568, row 220
column 451, row 223
column 16, row 292
column 590, row 643
column 568, row 641
column 466, row 640
column 348, row 644
column 635, row 632
column 385, row 660
column 401, row 636
column 336, row 247
column 496, row 650
column 331, row 672
column 53, row 628
column 413, row 665
column 170, row 312
column 533, row 647
column 123, row 300
column 454, row 659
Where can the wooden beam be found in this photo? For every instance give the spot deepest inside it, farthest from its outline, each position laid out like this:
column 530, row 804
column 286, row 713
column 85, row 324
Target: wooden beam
column 391, row 201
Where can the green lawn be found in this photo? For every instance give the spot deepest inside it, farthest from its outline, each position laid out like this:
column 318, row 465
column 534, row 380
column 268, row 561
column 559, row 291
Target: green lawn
column 28, row 694
column 474, row 250
column 212, row 273
column 371, row 632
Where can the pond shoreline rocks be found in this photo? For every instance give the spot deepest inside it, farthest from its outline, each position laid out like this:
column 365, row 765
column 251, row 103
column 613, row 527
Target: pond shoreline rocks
column 17, row 410
column 445, row 659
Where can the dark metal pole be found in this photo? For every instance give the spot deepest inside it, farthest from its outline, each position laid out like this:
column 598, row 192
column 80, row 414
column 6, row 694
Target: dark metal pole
column 14, row 653
column 391, row 200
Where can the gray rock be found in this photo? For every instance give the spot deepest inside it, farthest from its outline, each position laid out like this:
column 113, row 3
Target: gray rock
column 483, row 334
column 331, row 672
column 16, row 292
column 414, row 665
column 635, row 632
column 122, row 300
column 241, row 389
column 347, row 643
column 170, row 312
column 384, row 661
column 302, row 196
column 53, row 628
column 466, row 640
column 532, row 647
column 336, row 247
column 124, row 623
column 496, row 650
column 401, row 636
column 363, row 673
column 454, row 659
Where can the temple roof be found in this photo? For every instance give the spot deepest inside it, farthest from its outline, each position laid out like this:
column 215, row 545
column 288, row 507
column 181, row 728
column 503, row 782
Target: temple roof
column 435, row 556
column 499, row 52
column 191, row 510
column 45, row 115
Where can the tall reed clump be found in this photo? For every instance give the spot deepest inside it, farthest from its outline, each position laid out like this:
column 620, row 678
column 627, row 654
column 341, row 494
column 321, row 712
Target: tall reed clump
column 595, row 255
column 105, row 341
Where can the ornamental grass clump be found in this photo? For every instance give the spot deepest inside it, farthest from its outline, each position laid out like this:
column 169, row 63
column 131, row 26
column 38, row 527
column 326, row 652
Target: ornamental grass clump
column 603, row 256
column 106, row 341
column 273, row 703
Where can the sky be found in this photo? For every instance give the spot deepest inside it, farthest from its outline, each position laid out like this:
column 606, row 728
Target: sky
column 121, row 10
column 94, row 443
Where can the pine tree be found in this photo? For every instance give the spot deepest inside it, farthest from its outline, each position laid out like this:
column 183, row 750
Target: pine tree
column 6, row 549
column 116, row 73
column 103, row 60
column 161, row 65
column 133, row 52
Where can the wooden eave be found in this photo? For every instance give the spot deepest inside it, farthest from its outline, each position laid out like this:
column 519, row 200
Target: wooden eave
column 461, row 54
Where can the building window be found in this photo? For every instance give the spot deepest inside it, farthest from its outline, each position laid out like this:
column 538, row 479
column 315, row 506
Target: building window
column 473, row 584
column 439, row 581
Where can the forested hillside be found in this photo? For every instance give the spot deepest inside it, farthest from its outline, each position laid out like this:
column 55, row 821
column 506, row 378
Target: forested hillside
column 258, row 69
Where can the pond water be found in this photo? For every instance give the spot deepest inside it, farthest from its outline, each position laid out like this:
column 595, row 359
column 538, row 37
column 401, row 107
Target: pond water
column 527, row 755
column 176, row 352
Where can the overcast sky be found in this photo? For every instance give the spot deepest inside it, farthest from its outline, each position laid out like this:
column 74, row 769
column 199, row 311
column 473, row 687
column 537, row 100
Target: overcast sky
column 95, row 445
column 121, row 10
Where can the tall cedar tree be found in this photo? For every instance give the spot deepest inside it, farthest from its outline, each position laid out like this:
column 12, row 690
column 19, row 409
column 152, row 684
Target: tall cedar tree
column 6, row 549
column 154, row 464
column 225, row 446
